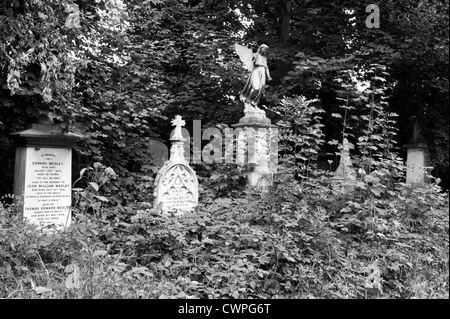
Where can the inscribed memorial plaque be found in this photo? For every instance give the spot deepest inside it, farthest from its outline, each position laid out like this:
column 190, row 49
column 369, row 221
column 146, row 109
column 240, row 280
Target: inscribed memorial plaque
column 47, row 193
column 177, row 188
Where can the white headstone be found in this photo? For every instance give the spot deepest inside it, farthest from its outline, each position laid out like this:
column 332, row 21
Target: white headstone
column 417, row 161
column 176, row 183
column 43, row 174
column 47, row 190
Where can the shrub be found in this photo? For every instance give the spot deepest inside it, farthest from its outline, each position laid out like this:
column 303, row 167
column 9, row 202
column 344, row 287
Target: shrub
column 300, row 240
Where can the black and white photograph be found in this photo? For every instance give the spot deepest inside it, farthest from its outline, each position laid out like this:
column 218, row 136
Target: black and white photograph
column 223, row 158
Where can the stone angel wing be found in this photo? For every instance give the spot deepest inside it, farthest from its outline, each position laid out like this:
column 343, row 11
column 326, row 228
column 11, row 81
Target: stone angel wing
column 246, row 56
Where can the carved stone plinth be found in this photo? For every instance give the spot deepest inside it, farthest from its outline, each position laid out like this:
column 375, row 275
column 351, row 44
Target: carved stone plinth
column 253, row 115
column 261, row 152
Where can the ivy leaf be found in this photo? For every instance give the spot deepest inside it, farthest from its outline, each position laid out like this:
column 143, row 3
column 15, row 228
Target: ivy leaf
column 333, row 142
column 101, row 198
column 94, row 186
column 99, row 253
column 376, row 192
column 345, row 210
column 82, row 171
column 42, row 16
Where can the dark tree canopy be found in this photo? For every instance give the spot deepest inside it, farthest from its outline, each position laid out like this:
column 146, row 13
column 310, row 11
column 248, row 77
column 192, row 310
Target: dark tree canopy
column 115, row 71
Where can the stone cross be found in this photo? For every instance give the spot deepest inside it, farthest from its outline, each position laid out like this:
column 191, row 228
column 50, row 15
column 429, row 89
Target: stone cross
column 178, row 122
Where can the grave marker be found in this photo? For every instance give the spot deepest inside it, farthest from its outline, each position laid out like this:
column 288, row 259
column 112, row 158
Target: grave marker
column 345, row 170
column 176, row 183
column 417, row 158
column 43, row 174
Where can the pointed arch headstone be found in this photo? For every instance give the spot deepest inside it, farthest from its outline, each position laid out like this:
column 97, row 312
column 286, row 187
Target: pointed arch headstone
column 176, row 183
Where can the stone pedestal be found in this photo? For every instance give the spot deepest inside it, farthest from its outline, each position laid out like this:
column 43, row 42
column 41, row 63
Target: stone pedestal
column 417, row 161
column 43, row 174
column 261, row 153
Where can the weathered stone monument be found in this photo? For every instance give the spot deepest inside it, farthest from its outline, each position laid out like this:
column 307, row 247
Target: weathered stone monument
column 417, row 158
column 345, row 170
column 260, row 136
column 257, row 145
column 176, row 182
column 43, row 173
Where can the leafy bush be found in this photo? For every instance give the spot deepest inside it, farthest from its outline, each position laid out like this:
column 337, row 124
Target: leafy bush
column 300, row 240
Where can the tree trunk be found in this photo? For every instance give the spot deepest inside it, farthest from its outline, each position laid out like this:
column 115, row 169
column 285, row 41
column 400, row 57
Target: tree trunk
column 285, row 21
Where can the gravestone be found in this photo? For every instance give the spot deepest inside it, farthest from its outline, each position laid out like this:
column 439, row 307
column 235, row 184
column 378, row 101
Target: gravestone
column 43, row 173
column 345, row 170
column 176, row 183
column 417, row 158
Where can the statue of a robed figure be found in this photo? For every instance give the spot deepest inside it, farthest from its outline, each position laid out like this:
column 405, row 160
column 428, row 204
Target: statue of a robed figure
column 256, row 64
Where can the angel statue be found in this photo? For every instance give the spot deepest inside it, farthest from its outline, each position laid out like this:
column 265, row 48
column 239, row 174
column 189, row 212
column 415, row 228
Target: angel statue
column 257, row 65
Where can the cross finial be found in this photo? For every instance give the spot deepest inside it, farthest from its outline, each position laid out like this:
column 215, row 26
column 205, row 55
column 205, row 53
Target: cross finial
column 178, row 122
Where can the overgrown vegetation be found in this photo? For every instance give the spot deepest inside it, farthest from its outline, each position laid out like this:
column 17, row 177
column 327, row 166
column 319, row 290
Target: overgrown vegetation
column 116, row 71
column 298, row 241
column 371, row 237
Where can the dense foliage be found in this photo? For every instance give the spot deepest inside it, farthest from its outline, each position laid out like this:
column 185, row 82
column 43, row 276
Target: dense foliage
column 372, row 237
column 116, row 71
column 298, row 241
